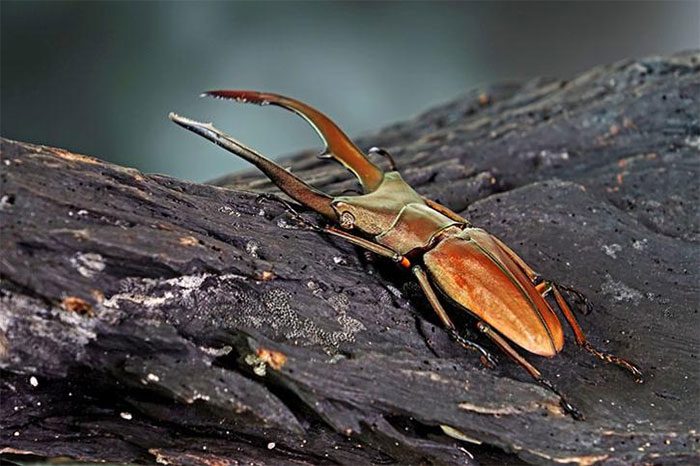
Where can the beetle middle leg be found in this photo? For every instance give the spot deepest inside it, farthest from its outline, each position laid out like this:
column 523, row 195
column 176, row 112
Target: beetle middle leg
column 532, row 370
column 487, row 359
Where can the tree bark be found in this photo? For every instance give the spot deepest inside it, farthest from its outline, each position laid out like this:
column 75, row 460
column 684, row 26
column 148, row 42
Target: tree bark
column 149, row 319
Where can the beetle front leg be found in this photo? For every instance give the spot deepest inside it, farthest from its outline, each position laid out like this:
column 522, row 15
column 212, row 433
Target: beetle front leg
column 304, row 223
column 487, row 359
column 532, row 370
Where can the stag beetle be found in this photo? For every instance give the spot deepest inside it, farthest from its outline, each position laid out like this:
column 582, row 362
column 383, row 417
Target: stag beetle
column 444, row 251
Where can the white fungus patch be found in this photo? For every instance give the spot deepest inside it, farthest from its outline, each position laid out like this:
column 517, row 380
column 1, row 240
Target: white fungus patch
column 258, row 365
column 276, row 310
column 693, row 141
column 394, row 291
column 198, row 396
column 33, row 381
column 141, row 292
column 217, row 352
column 5, row 202
column 640, row 245
column 229, row 211
column 251, row 247
column 284, row 224
column 619, row 291
column 146, row 301
column 88, row 264
column 126, row 415
column 612, row 249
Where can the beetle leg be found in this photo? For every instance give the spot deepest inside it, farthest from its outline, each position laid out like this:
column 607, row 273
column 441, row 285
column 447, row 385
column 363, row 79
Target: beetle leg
column 487, row 359
column 532, row 370
column 585, row 344
column 580, row 296
column 546, row 287
column 306, row 224
column 367, row 244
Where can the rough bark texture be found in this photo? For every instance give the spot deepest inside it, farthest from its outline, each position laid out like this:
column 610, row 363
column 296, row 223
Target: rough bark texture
column 135, row 307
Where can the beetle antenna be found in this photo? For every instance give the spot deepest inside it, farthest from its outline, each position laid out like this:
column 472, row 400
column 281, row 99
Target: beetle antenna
column 384, row 153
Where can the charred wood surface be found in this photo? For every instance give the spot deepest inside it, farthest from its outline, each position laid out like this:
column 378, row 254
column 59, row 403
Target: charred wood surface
column 149, row 319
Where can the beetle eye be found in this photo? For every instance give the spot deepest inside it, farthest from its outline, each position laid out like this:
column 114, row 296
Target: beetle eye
column 347, row 220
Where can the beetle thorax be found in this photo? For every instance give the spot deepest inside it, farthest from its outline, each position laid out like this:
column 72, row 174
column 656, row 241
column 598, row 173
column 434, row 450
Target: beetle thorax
column 394, row 214
column 374, row 213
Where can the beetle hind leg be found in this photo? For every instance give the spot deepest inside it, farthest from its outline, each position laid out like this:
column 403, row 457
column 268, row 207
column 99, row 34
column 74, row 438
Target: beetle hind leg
column 545, row 287
column 585, row 344
column 532, row 370
column 578, row 295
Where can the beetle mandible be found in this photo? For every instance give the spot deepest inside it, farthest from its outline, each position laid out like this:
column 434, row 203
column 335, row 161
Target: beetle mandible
column 444, row 251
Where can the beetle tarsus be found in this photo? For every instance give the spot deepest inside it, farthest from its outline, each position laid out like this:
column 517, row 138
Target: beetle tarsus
column 583, row 342
column 532, row 370
column 487, row 359
column 618, row 361
column 563, row 402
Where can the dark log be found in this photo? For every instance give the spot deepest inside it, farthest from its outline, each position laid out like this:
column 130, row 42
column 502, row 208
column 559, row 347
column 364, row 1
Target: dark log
column 133, row 306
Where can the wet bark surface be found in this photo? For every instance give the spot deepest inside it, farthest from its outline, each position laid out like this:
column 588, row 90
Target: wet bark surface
column 149, row 319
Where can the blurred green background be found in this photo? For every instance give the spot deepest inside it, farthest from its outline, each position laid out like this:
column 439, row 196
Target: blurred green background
column 100, row 77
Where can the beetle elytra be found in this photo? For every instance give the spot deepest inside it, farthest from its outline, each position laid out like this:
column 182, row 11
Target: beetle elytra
column 444, row 251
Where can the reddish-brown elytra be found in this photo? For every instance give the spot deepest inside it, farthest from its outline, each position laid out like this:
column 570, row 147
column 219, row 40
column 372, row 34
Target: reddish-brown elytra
column 443, row 250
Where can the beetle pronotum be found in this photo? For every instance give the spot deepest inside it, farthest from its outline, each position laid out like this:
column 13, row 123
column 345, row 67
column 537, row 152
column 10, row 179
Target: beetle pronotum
column 443, row 250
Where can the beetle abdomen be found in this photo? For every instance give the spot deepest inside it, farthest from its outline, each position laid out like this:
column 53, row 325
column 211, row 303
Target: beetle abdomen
column 474, row 271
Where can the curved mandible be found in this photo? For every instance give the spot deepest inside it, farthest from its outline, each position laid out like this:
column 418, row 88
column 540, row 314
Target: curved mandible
column 338, row 145
column 292, row 185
